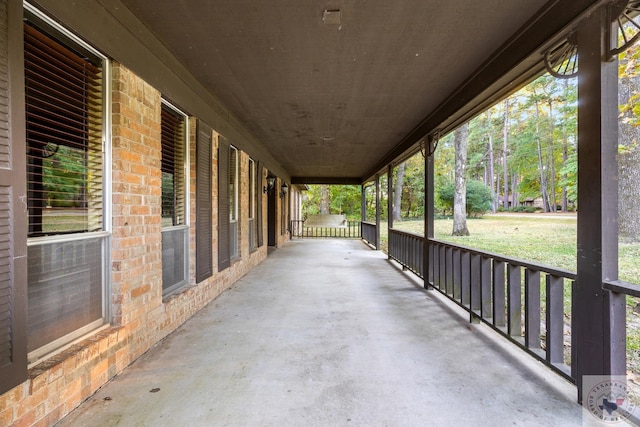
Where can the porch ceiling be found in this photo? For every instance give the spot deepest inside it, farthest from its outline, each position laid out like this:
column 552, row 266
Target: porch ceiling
column 332, row 100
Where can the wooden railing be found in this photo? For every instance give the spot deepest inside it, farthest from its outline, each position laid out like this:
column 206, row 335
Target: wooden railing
column 529, row 304
column 350, row 230
column 408, row 249
column 369, row 232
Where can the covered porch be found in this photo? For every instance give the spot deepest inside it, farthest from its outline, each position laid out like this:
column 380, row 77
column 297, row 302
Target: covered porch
column 330, row 332
column 196, row 131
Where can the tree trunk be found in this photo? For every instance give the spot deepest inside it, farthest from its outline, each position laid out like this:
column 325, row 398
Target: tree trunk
column 460, row 185
column 514, row 190
column 543, row 179
column 496, row 197
column 397, row 193
column 491, row 178
column 629, row 191
column 629, row 165
column 565, row 156
column 325, row 200
column 553, row 204
column 505, row 140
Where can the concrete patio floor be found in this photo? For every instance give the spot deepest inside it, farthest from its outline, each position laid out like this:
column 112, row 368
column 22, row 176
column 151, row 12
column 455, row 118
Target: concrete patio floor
column 330, row 333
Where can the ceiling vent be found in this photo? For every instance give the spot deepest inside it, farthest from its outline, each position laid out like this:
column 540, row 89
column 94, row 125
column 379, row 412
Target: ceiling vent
column 331, row 17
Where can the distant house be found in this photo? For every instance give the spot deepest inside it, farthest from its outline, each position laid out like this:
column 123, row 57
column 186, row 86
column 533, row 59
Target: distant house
column 509, row 198
column 529, row 201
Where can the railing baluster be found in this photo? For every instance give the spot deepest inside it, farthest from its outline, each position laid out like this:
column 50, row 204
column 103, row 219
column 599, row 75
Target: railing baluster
column 443, row 268
column 485, row 287
column 465, row 278
column 499, row 318
column 555, row 319
column 532, row 308
column 456, row 274
column 449, row 271
column 476, row 283
column 514, row 300
column 420, row 256
column 432, row 263
column 435, row 265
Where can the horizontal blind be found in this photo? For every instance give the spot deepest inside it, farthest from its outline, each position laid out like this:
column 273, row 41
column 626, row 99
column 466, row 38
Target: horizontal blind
column 252, row 189
column 63, row 94
column 173, row 176
column 233, row 184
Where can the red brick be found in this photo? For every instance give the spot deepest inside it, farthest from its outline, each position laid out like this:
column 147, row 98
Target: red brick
column 26, row 420
column 140, row 291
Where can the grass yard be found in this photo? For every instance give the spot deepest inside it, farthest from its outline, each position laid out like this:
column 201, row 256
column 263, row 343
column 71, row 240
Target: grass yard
column 543, row 239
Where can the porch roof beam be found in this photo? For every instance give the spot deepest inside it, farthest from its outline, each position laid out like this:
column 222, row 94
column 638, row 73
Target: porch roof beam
column 325, row 180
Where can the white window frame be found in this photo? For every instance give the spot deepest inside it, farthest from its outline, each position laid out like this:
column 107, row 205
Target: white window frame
column 60, row 344
column 186, row 224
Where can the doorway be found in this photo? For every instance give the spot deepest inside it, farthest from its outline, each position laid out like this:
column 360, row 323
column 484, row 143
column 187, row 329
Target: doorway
column 272, row 218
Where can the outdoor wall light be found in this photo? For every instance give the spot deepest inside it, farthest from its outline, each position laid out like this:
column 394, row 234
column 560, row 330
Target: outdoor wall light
column 271, row 182
column 284, row 189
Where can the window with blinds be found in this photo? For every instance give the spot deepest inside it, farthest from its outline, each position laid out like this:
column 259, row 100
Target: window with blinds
column 233, row 202
column 173, row 164
column 64, row 104
column 252, row 189
column 252, row 204
column 233, row 184
column 175, row 231
column 283, row 213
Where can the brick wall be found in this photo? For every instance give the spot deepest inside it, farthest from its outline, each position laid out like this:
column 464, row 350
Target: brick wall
column 140, row 315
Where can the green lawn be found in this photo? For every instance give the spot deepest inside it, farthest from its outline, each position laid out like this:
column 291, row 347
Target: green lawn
column 543, row 239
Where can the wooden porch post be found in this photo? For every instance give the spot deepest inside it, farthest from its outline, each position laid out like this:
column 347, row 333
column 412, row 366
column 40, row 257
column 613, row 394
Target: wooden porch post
column 377, row 211
column 363, row 203
column 427, row 267
column 389, row 205
column 598, row 315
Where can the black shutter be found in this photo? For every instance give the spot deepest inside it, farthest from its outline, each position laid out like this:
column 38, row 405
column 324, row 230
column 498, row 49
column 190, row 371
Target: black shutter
column 204, row 226
column 224, row 256
column 259, row 178
column 13, row 226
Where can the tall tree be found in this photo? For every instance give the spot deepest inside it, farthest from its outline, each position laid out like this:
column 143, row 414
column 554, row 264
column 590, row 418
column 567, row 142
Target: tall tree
column 491, row 170
column 413, row 188
column 567, row 124
column 325, row 200
column 460, row 138
column 629, row 145
column 537, row 101
column 505, row 153
column 397, row 193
